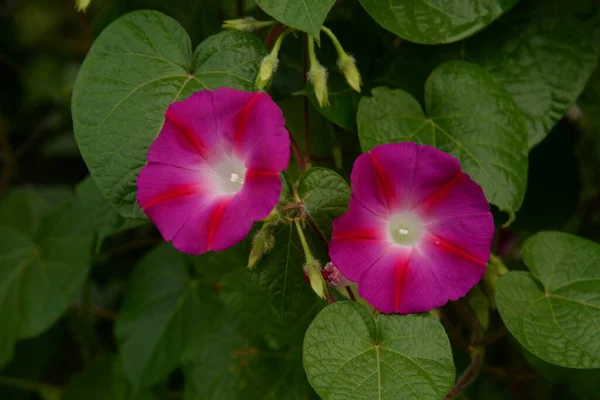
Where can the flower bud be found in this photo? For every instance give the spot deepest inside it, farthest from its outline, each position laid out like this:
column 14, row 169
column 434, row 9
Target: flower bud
column 333, row 276
column 495, row 270
column 317, row 75
column 266, row 71
column 247, row 24
column 347, row 65
column 82, row 5
column 312, row 269
column 262, row 243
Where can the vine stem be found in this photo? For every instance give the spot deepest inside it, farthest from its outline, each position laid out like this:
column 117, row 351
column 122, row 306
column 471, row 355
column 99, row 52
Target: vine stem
column 296, row 152
column 7, row 157
column 306, row 120
column 28, row 385
column 96, row 311
column 311, row 261
column 315, row 228
column 477, row 352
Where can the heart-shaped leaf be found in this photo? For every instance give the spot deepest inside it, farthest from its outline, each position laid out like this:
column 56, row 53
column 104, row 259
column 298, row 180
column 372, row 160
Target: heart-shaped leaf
column 544, row 53
column 469, row 115
column 306, row 15
column 140, row 64
column 326, row 196
column 41, row 268
column 434, row 21
column 104, row 380
column 554, row 310
column 104, row 217
column 162, row 318
column 349, row 355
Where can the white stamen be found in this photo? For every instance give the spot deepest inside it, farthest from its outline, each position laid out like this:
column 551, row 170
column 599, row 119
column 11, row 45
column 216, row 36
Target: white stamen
column 403, row 231
column 236, row 178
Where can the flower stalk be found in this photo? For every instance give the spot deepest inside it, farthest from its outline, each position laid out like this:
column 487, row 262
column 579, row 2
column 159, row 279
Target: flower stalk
column 312, row 267
column 317, row 75
column 270, row 63
column 346, row 63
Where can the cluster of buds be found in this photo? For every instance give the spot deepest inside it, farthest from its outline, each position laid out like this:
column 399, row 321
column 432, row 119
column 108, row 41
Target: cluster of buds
column 317, row 74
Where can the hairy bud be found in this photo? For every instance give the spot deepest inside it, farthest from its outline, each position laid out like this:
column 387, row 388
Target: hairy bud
column 317, row 76
column 312, row 270
column 347, row 65
column 262, row 243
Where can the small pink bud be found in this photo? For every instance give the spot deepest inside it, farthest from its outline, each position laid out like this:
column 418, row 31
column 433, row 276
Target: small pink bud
column 333, row 276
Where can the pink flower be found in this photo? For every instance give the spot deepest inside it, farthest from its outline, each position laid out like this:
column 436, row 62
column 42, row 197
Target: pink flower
column 214, row 168
column 417, row 232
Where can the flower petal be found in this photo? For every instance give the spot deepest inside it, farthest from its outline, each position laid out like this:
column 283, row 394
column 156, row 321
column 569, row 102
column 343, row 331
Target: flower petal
column 169, row 194
column 268, row 185
column 438, row 272
column 190, row 127
column 386, row 279
column 359, row 239
column 255, row 127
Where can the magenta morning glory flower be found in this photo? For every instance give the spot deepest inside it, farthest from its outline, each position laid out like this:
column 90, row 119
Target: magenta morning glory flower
column 417, row 232
column 214, row 168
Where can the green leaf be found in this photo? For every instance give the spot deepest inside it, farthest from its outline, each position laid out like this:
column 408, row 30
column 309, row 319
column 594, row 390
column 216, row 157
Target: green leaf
column 435, row 21
column 162, row 316
column 101, row 381
column 327, row 195
column 584, row 383
column 470, row 116
column 140, row 64
column 104, row 217
column 350, row 355
column 24, row 208
column 554, row 310
column 40, row 274
column 543, row 53
column 230, row 368
column 274, row 298
column 306, row 15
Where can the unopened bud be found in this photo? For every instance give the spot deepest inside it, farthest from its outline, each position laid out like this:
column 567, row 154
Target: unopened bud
column 333, row 276
column 262, row 243
column 495, row 270
column 266, row 71
column 313, row 271
column 82, row 5
column 247, row 24
column 347, row 65
column 317, row 75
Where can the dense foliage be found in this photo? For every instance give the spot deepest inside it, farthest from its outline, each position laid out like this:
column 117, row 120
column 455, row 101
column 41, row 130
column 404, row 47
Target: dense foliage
column 94, row 304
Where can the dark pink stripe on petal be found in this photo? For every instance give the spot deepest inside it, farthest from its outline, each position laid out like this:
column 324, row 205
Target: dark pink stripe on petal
column 401, row 269
column 215, row 219
column 440, row 193
column 366, row 234
column 191, row 138
column 176, row 193
column 240, row 127
column 252, row 173
column 448, row 247
column 387, row 192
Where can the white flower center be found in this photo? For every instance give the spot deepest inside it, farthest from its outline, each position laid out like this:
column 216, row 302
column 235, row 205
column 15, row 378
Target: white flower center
column 228, row 176
column 406, row 229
